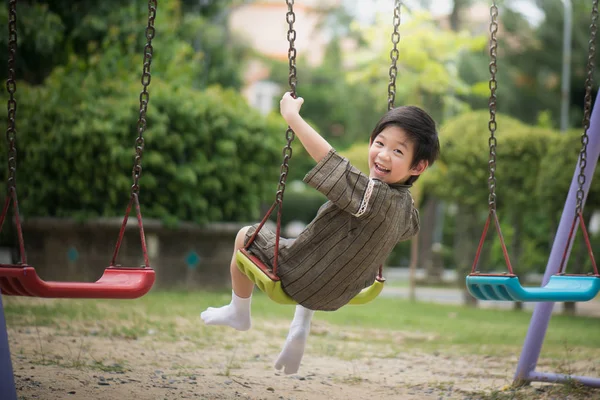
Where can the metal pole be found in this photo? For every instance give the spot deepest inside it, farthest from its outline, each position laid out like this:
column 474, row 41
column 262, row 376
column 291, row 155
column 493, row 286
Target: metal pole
column 7, row 379
column 566, row 66
column 543, row 311
column 563, row 378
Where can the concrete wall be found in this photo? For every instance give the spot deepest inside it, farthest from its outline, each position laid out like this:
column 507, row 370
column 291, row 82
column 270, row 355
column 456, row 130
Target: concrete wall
column 188, row 256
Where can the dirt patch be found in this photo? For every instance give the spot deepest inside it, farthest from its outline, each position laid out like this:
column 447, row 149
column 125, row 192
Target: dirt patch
column 199, row 362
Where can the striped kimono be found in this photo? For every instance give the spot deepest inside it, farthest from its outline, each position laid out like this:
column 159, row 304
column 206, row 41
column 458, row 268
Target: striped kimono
column 338, row 254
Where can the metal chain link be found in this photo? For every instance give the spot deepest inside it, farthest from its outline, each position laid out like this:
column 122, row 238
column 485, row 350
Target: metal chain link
column 394, row 54
column 493, row 84
column 290, row 17
column 587, row 107
column 144, row 97
column 292, row 80
column 11, row 87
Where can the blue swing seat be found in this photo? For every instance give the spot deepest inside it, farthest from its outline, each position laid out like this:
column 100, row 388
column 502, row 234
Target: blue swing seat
column 560, row 288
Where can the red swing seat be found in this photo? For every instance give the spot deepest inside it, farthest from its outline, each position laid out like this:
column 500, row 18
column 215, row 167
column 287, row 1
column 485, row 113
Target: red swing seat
column 115, row 283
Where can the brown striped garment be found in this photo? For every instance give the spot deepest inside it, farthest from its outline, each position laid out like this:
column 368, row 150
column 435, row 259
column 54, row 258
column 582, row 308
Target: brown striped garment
column 338, row 254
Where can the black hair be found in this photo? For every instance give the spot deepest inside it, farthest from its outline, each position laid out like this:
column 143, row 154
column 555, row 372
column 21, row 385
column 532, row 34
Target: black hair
column 420, row 130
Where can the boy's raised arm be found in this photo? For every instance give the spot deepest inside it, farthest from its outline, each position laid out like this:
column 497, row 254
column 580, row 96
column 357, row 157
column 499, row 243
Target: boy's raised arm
column 314, row 143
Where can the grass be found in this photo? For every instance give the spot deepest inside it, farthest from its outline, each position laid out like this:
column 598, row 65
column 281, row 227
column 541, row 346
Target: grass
column 429, row 327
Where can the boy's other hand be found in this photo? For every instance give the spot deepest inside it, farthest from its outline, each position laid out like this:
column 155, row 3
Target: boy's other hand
column 289, row 106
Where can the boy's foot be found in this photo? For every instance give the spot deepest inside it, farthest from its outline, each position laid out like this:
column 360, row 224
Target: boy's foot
column 293, row 349
column 290, row 357
column 227, row 315
column 236, row 314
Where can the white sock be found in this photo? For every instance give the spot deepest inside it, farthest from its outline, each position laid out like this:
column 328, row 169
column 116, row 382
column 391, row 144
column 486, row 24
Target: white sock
column 236, row 314
column 293, row 349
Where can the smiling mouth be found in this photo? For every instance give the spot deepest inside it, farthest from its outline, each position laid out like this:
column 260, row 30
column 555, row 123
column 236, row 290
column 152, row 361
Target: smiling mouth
column 379, row 168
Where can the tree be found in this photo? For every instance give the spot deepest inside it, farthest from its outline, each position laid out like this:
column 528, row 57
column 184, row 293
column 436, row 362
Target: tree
column 531, row 62
column 426, row 73
column 50, row 33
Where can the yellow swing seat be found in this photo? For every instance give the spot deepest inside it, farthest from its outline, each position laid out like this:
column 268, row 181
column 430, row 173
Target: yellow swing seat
column 270, row 284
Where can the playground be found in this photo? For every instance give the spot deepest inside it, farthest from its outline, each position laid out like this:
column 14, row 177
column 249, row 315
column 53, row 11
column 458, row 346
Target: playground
column 156, row 347
column 354, row 334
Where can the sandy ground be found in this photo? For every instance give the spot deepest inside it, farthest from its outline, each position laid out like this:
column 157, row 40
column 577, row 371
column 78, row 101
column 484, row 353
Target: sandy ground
column 64, row 363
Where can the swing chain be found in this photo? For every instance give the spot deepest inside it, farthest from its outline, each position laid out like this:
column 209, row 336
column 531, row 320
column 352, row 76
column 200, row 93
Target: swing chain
column 587, row 107
column 11, row 87
column 493, row 84
column 394, row 54
column 292, row 80
column 290, row 17
column 144, row 96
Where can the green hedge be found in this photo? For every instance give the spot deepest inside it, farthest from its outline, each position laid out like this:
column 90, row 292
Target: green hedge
column 208, row 156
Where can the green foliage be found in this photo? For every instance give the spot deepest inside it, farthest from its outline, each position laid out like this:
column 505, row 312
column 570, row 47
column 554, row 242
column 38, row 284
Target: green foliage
column 462, row 170
column 556, row 173
column 207, row 154
column 41, row 36
column 191, row 42
column 427, row 73
column 461, row 176
column 332, row 101
column 544, row 119
column 216, row 158
column 341, row 111
column 531, row 61
column 348, row 93
column 205, row 158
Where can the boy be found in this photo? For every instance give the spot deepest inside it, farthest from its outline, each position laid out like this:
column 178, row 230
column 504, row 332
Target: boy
column 339, row 252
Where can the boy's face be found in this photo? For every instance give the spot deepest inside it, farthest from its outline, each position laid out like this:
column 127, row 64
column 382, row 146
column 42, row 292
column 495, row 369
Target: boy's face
column 391, row 155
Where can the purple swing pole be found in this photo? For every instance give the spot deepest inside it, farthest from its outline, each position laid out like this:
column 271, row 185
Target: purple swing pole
column 7, row 380
column 543, row 311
